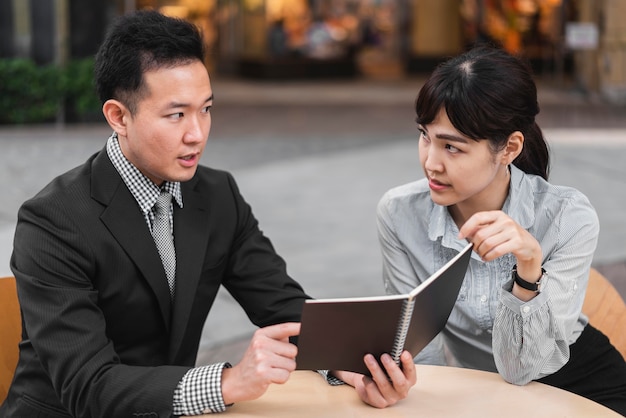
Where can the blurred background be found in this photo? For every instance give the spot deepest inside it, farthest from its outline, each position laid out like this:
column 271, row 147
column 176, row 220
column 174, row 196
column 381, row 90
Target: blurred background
column 48, row 45
column 314, row 114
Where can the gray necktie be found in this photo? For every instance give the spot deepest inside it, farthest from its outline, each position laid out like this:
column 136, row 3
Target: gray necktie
column 162, row 234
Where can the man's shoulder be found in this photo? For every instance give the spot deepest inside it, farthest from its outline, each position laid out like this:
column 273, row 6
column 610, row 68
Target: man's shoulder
column 207, row 176
column 212, row 176
column 204, row 171
column 69, row 181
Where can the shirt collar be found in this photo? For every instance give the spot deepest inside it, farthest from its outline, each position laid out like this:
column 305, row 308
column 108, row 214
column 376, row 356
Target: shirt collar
column 520, row 203
column 142, row 188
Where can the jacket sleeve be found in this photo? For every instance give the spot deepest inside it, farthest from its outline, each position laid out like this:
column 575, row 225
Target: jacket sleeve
column 256, row 275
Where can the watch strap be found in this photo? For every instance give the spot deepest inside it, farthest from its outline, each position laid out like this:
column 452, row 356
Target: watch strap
column 525, row 284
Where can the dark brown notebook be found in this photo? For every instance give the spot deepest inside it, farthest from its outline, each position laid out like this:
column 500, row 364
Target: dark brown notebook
column 336, row 333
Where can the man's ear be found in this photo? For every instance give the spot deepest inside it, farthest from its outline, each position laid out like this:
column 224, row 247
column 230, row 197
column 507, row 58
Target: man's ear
column 514, row 146
column 116, row 115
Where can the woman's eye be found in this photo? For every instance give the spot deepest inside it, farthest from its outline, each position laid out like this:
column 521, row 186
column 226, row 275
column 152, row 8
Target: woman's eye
column 452, row 149
column 206, row 109
column 423, row 134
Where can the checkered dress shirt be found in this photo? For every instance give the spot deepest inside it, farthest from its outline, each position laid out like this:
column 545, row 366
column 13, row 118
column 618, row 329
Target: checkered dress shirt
column 200, row 390
column 143, row 190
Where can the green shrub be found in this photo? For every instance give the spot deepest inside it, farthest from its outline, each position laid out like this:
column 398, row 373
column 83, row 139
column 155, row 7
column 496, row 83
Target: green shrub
column 33, row 94
column 29, row 93
column 81, row 97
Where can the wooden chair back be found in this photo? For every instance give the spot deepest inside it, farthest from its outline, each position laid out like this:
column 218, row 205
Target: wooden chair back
column 606, row 310
column 10, row 333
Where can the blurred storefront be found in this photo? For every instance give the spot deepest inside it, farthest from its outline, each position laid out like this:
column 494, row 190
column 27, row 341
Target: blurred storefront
column 295, row 38
column 52, row 31
column 601, row 63
column 290, row 38
column 346, row 38
column 530, row 28
column 389, row 38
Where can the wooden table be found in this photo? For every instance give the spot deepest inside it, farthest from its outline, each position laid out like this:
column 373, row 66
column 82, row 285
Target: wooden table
column 439, row 392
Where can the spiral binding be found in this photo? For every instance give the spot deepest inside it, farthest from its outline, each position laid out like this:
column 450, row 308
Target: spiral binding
column 403, row 327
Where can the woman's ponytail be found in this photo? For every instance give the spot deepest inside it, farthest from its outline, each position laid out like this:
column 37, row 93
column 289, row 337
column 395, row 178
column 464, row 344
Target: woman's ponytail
column 535, row 155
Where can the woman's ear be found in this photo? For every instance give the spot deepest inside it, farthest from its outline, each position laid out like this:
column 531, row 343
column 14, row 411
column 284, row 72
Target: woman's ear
column 116, row 115
column 514, row 146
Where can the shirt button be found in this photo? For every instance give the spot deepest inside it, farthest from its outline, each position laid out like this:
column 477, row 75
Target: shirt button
column 526, row 309
column 483, row 298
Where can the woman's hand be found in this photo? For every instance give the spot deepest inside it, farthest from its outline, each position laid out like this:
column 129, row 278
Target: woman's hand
column 383, row 389
column 494, row 234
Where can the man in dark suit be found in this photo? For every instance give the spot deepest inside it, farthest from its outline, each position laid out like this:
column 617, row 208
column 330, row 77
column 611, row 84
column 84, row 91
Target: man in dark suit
column 119, row 260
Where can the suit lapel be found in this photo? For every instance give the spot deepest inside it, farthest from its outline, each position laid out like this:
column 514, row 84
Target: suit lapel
column 190, row 239
column 126, row 223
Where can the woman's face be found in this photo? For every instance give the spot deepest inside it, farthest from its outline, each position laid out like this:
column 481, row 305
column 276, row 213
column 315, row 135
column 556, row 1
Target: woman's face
column 462, row 173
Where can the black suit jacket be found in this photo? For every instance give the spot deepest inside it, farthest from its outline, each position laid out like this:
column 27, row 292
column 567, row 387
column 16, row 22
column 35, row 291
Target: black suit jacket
column 100, row 335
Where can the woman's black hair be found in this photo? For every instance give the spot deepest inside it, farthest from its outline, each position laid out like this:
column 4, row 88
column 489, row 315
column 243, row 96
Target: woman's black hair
column 488, row 94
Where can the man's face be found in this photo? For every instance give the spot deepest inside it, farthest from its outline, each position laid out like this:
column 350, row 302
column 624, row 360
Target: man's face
column 166, row 136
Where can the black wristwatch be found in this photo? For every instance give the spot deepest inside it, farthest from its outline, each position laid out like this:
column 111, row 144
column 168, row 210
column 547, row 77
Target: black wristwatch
column 535, row 287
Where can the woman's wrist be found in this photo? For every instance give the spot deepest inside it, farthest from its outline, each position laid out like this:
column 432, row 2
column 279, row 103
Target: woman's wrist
column 534, row 285
column 529, row 274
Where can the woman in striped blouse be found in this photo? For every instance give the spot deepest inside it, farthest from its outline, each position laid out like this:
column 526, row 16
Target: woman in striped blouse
column 486, row 166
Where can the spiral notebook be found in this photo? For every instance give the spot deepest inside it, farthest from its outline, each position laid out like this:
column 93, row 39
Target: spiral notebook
column 336, row 333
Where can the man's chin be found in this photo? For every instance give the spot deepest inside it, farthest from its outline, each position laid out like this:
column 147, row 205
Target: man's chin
column 185, row 175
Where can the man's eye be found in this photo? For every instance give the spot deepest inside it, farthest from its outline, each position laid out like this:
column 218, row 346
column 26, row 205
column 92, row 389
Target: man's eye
column 178, row 115
column 206, row 109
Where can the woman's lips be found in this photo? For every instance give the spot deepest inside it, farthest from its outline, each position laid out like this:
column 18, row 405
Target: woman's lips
column 436, row 185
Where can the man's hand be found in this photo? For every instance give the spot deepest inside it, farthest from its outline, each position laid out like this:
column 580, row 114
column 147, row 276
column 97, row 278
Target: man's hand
column 383, row 389
column 270, row 358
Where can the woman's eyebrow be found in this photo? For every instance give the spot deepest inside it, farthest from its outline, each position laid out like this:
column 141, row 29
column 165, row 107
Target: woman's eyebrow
column 445, row 136
column 454, row 138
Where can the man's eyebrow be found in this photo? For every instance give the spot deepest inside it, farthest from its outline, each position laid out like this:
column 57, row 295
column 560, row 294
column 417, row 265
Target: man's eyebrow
column 173, row 105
